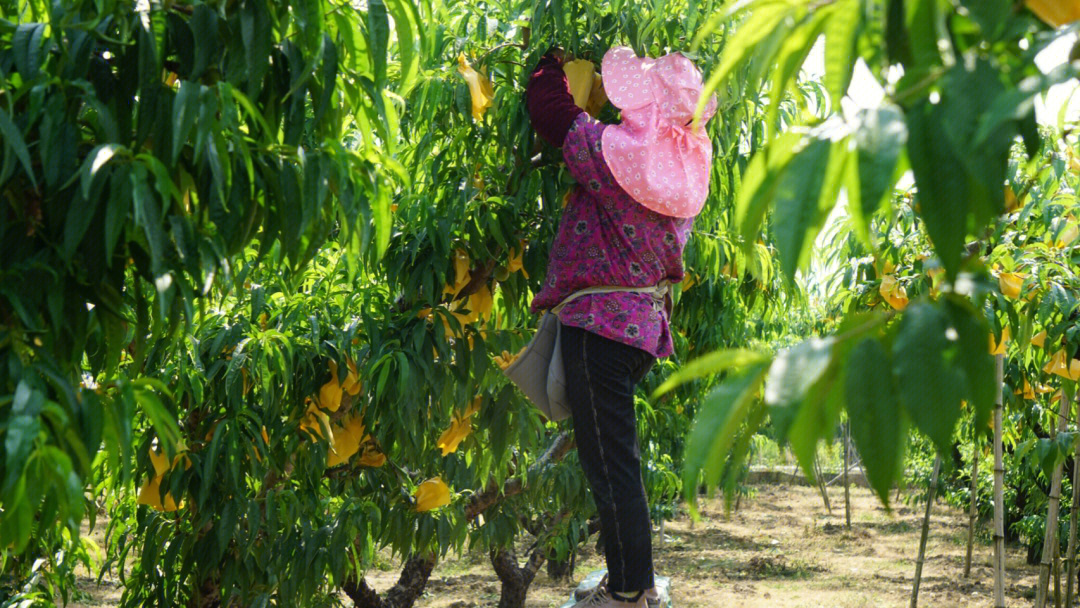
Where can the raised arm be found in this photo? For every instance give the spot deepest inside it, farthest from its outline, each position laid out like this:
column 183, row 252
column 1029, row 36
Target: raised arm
column 551, row 106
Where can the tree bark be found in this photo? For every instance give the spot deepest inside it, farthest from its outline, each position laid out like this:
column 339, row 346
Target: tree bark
column 1050, row 538
column 973, row 508
column 1070, row 583
column 515, row 580
column 404, row 593
column 847, row 463
column 925, row 531
column 999, row 491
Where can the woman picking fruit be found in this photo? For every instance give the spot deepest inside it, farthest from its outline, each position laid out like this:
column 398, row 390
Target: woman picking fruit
column 640, row 183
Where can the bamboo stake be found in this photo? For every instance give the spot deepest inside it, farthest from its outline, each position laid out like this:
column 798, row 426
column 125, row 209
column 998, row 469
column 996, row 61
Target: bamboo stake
column 1057, row 575
column 847, row 460
column 999, row 491
column 973, row 509
column 1071, row 555
column 925, row 532
column 821, row 486
column 1050, row 537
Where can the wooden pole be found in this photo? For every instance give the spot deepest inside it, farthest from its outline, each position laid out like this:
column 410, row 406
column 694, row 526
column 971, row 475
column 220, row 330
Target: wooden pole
column 1070, row 558
column 1050, row 537
column 821, row 486
column 847, row 460
column 925, row 531
column 1057, row 574
column 974, row 503
column 999, row 492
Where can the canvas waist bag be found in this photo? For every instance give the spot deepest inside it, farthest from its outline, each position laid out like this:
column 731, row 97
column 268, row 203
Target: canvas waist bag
column 538, row 370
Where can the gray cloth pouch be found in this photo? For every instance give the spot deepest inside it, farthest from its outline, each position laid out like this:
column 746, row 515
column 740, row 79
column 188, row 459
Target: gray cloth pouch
column 538, row 370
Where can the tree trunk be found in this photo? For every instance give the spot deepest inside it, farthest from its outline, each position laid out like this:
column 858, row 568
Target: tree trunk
column 973, row 509
column 515, row 580
column 1070, row 582
column 414, row 577
column 1050, row 538
column 999, row 491
column 847, row 463
column 561, row 570
column 925, row 531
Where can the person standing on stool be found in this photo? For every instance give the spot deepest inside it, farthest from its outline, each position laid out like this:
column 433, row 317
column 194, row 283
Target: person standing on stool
column 640, row 183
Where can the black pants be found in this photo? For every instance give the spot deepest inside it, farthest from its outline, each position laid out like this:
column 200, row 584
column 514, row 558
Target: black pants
column 600, row 379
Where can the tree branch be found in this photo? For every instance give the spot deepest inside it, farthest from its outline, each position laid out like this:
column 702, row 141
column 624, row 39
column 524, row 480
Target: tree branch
column 493, row 494
column 404, row 593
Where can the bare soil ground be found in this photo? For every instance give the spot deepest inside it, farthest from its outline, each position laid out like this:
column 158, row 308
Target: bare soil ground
column 780, row 550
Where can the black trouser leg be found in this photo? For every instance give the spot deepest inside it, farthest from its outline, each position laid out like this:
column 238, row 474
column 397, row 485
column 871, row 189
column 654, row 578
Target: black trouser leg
column 600, row 379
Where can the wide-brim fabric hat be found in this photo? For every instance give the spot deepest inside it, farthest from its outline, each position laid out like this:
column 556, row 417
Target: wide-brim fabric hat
column 656, row 154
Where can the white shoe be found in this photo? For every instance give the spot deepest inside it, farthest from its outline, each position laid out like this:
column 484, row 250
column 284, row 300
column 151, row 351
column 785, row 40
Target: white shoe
column 600, row 597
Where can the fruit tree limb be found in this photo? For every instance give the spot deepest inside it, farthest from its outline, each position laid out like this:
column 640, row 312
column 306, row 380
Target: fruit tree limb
column 492, row 494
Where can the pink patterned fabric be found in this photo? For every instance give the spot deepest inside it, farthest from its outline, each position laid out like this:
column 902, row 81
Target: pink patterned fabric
column 606, row 238
column 655, row 154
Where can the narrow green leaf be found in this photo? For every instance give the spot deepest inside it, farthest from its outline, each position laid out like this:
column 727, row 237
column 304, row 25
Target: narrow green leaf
column 879, row 138
column 759, row 185
column 715, row 428
column 185, row 110
column 924, row 356
column 13, row 139
column 980, row 387
column 766, row 17
column 798, row 215
column 98, row 158
column 378, row 31
column 26, row 45
column 406, row 26
column 710, row 365
column 841, row 34
column 877, row 421
column 942, row 189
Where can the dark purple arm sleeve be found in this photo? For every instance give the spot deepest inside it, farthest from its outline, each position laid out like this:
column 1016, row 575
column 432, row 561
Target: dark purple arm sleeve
column 551, row 106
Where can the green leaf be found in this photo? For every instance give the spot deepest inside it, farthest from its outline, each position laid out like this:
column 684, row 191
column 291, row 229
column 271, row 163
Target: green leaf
column 766, row 18
column 796, row 369
column 877, row 422
column 923, row 360
column 759, row 185
column 798, row 393
column 203, row 25
column 378, row 30
column 991, row 15
column 715, row 427
column 790, row 57
column 98, row 158
column 799, row 214
column 841, row 34
column 256, row 31
column 975, row 360
column 160, row 418
column 185, row 111
column 879, row 138
column 942, row 190
column 13, row 139
column 968, row 95
column 922, row 18
column 26, row 45
column 148, row 217
column 407, row 25
column 710, row 365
